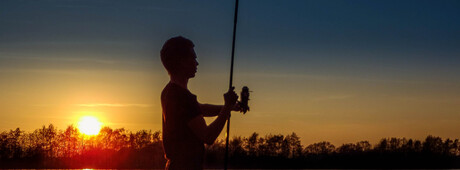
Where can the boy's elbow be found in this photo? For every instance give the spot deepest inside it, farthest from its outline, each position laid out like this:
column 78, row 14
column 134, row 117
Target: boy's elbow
column 209, row 141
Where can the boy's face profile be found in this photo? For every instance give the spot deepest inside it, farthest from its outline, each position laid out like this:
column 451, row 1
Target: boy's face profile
column 189, row 64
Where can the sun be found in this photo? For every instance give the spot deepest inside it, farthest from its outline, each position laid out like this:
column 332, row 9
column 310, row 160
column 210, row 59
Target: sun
column 89, row 125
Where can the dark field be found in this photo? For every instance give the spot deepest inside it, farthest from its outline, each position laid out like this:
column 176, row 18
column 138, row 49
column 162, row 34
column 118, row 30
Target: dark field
column 48, row 147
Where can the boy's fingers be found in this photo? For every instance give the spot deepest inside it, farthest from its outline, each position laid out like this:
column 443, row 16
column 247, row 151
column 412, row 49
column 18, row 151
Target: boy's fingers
column 232, row 89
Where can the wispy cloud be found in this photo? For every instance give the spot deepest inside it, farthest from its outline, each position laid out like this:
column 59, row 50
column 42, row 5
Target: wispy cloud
column 113, row 105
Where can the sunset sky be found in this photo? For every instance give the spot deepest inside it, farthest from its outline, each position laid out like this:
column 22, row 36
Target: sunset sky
column 329, row 70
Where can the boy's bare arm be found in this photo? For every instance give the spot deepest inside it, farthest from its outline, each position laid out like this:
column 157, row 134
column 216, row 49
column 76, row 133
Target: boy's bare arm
column 210, row 133
column 210, row 110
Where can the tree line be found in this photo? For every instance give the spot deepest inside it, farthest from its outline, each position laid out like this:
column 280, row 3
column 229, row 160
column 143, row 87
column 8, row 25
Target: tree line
column 48, row 147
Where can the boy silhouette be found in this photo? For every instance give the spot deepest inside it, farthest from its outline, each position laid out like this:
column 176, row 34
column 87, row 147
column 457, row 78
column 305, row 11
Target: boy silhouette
column 184, row 129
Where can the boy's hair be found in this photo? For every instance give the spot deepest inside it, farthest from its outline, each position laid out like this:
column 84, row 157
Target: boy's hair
column 174, row 50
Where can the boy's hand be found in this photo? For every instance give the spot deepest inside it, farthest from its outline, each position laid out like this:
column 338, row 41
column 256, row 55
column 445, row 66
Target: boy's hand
column 237, row 107
column 230, row 99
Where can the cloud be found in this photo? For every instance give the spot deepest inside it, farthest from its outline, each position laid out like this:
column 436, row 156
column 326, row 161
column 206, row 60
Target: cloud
column 113, row 105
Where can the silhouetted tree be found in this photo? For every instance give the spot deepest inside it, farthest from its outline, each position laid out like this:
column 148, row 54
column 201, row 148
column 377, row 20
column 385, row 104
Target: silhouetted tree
column 141, row 139
column 251, row 144
column 363, row 146
column 274, row 145
column 70, row 144
column 456, row 146
column 236, row 147
column 46, row 140
column 433, row 145
column 4, row 151
column 383, row 145
column 418, row 146
column 449, row 147
column 320, row 148
column 348, row 148
column 13, row 143
column 295, row 147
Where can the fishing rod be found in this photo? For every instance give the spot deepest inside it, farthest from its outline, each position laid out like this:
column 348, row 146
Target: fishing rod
column 243, row 103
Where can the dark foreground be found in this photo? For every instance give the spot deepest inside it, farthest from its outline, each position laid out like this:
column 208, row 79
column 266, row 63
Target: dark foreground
column 47, row 148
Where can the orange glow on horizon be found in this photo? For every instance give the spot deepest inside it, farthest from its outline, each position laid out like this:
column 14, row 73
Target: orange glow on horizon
column 89, row 125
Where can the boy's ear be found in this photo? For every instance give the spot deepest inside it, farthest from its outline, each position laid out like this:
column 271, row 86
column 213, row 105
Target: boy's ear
column 181, row 63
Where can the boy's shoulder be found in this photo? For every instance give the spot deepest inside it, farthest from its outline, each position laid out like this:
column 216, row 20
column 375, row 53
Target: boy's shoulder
column 174, row 90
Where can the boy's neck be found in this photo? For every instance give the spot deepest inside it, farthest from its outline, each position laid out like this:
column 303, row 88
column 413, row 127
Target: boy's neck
column 181, row 81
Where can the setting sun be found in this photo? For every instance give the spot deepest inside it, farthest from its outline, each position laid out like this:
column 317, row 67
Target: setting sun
column 89, row 125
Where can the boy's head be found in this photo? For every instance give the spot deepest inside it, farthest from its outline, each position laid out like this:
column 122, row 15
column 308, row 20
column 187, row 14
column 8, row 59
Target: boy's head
column 178, row 57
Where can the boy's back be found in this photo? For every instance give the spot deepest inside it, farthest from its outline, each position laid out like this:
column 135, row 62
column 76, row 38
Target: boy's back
column 182, row 148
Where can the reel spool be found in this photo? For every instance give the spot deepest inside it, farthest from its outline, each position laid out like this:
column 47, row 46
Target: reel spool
column 244, row 100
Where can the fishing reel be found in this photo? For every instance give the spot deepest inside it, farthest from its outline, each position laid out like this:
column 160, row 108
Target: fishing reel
column 244, row 99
